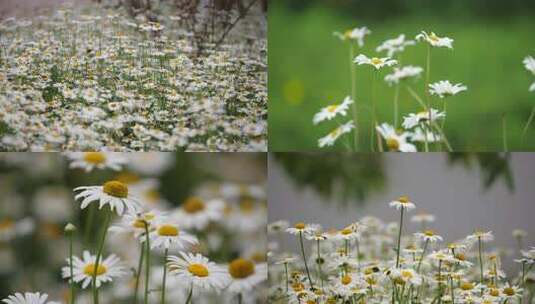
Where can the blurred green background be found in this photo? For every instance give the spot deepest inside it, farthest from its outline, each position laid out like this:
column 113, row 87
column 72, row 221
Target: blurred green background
column 309, row 67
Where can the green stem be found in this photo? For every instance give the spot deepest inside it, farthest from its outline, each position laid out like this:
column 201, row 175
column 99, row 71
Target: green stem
column 452, row 291
column 439, row 281
column 422, row 257
column 353, row 95
column 399, row 236
column 504, row 133
column 480, row 259
column 138, row 274
column 319, row 264
column 89, row 223
column 530, row 119
column 304, row 258
column 287, row 278
column 99, row 255
column 396, row 109
column 71, row 268
column 147, row 263
column 240, row 298
column 188, row 300
column 427, row 76
column 164, row 274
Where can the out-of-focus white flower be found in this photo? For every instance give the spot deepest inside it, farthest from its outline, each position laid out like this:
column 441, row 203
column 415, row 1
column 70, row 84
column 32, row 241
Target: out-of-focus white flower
column 329, row 112
column 245, row 275
column 150, row 163
column 403, row 202
column 28, row 298
column 395, row 141
column 96, row 160
column 357, row 34
column 434, row 40
column 444, row 88
column 529, row 63
column 53, row 204
column 403, row 73
column 395, row 45
column 413, row 120
column 418, row 135
column 330, row 138
column 196, row 213
column 376, row 62
column 11, row 229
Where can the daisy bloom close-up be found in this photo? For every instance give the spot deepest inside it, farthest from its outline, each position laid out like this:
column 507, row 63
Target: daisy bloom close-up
column 113, row 193
column 28, row 298
column 330, row 139
column 435, row 40
column 329, row 112
column 245, row 275
column 444, row 88
column 356, row 34
column 403, row 202
column 198, row 272
column 96, row 160
column 197, row 213
column 84, row 269
column 395, row 141
column 376, row 62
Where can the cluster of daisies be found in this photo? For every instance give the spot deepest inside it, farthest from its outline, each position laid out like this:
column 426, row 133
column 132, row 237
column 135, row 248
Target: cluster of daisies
column 209, row 249
column 370, row 261
column 84, row 78
column 403, row 134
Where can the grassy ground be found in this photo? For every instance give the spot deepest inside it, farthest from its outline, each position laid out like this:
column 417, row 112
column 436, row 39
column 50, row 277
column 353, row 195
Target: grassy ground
column 309, row 70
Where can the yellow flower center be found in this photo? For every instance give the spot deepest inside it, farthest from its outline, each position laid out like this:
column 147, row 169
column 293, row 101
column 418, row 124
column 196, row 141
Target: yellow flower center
column 433, row 37
column 241, row 268
column 346, row 279
column 494, row 292
column 376, row 61
column 460, row 256
column 247, row 205
column 116, row 189
column 152, row 196
column 258, row 257
column 346, row 231
column 335, row 132
column 403, row 199
column 509, row 291
column 139, row 224
column 300, row 226
column 168, row 230
column 193, row 205
column 127, row 178
column 429, row 232
column 392, row 144
column 198, row 270
column 6, row 224
column 95, row 158
column 347, row 34
column 332, row 108
column 89, row 269
column 407, row 274
column 467, row 286
column 297, row 287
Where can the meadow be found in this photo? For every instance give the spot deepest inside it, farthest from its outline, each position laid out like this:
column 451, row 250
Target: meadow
column 93, row 76
column 309, row 70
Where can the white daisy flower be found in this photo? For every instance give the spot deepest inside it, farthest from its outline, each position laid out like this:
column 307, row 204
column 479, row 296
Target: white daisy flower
column 395, row 45
column 302, row 228
column 412, row 120
column 347, row 234
column 406, row 275
column 245, row 275
column 330, row 138
column 357, row 34
column 434, row 40
column 403, row 202
column 197, row 271
column 28, row 298
column 113, row 193
column 423, row 218
column 395, row 141
column 403, row 73
column 480, row 235
column 418, row 135
column 376, row 62
column 329, row 112
column 247, row 216
column 96, row 160
column 84, row 269
column 135, row 224
column 429, row 236
column 441, row 255
column 444, row 88
column 10, row 229
column 167, row 234
column 196, row 213
column 511, row 292
column 532, row 87
column 529, row 63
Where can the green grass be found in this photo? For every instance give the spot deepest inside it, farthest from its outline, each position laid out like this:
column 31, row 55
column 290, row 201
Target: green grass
column 309, row 70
